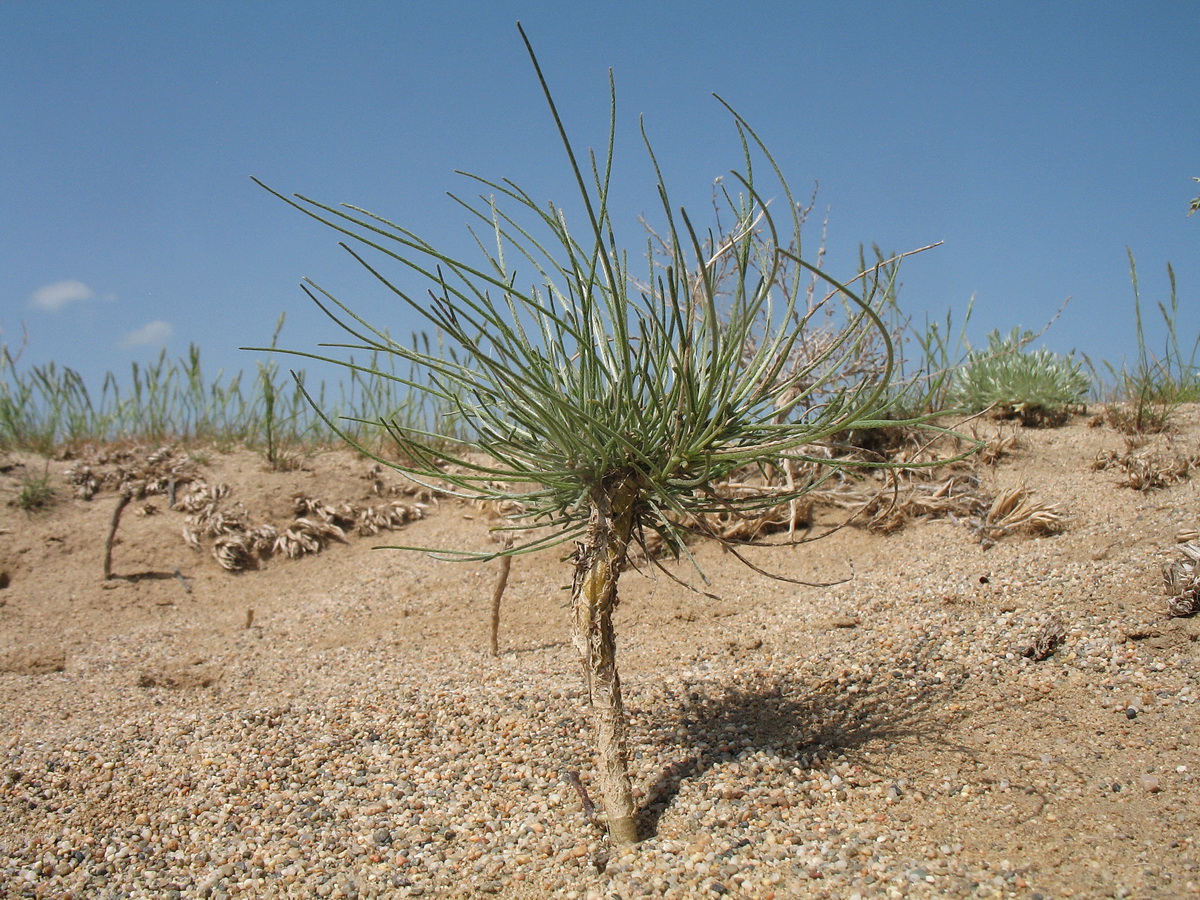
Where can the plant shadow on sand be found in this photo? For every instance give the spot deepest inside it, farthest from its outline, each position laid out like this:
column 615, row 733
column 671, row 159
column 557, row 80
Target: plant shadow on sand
column 799, row 719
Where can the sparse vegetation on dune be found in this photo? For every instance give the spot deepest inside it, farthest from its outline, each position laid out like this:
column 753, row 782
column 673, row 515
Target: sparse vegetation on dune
column 1145, row 394
column 733, row 392
column 35, row 491
column 50, row 409
column 46, row 409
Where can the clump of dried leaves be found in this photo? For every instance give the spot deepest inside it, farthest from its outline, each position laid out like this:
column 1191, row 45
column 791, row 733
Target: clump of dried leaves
column 918, row 483
column 1182, row 580
column 239, row 544
column 923, row 481
column 236, row 541
column 137, row 470
column 1150, row 466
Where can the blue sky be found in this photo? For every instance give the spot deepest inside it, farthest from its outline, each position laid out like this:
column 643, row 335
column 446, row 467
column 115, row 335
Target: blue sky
column 1037, row 140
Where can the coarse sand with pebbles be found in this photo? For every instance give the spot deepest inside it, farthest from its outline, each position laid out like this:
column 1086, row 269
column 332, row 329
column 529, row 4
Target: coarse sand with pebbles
column 953, row 719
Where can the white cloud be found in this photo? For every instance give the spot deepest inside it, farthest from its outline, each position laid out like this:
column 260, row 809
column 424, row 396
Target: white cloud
column 53, row 297
column 157, row 332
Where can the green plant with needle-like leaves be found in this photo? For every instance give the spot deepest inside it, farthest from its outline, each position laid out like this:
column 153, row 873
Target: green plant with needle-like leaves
column 612, row 404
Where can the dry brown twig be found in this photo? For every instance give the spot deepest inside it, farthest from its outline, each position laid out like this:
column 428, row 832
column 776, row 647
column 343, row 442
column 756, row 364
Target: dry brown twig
column 957, row 496
column 122, row 502
column 885, row 499
column 498, row 594
column 589, row 808
column 1014, row 511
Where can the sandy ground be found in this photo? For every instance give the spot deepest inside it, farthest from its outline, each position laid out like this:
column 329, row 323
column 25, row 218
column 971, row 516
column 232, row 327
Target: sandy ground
column 1074, row 775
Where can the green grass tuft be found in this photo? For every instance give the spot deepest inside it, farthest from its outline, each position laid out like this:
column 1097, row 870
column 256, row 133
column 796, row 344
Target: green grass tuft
column 44, row 408
column 1146, row 395
column 36, row 492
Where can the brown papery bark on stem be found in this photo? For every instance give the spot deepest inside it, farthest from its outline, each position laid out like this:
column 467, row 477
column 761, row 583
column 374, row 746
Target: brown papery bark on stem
column 598, row 565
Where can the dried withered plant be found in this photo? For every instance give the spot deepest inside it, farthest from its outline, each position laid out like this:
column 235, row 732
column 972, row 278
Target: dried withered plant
column 1181, row 578
column 1149, row 465
column 238, row 544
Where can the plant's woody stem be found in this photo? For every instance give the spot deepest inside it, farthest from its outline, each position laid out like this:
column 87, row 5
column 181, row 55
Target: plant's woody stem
column 594, row 599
